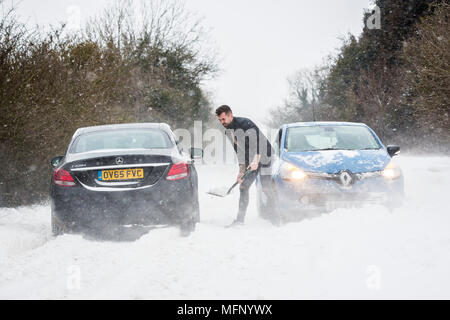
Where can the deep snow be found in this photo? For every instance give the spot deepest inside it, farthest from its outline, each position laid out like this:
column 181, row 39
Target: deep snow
column 366, row 253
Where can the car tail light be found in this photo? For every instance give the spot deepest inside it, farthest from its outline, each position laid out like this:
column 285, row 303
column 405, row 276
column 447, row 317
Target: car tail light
column 178, row 171
column 63, row 178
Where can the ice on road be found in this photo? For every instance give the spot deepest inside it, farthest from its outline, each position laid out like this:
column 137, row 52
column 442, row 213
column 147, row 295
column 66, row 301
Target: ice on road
column 365, row 253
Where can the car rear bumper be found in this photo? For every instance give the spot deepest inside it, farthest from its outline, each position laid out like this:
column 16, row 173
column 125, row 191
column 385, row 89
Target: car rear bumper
column 164, row 203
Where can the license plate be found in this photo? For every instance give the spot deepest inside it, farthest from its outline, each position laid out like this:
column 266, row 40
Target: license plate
column 122, row 174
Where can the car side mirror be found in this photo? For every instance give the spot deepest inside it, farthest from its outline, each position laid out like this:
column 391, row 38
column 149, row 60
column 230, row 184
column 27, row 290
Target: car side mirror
column 179, row 145
column 196, row 153
column 56, row 161
column 393, row 150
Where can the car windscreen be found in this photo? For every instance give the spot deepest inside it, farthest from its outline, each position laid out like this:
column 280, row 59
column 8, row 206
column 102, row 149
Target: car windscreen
column 121, row 139
column 317, row 138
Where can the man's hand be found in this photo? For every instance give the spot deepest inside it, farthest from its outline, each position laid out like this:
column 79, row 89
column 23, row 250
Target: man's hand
column 253, row 166
column 239, row 177
column 255, row 163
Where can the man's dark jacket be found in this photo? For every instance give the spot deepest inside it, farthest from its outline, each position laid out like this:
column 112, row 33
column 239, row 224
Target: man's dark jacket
column 248, row 140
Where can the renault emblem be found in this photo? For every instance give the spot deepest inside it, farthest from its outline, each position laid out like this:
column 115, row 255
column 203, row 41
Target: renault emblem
column 346, row 178
column 119, row 160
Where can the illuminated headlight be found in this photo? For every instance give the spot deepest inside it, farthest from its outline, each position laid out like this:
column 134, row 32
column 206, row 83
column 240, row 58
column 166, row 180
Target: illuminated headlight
column 291, row 172
column 392, row 171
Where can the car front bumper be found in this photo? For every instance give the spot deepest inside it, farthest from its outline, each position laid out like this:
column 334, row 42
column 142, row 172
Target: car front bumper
column 313, row 193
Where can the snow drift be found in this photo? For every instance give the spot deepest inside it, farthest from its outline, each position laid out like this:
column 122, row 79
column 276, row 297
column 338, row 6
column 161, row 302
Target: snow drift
column 365, row 253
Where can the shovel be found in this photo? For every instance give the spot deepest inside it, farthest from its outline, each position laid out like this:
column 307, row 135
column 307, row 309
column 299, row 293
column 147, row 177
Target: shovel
column 224, row 191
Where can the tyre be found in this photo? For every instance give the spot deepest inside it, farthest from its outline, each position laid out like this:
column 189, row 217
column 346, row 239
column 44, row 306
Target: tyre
column 187, row 227
column 188, row 223
column 57, row 229
column 196, row 211
column 267, row 208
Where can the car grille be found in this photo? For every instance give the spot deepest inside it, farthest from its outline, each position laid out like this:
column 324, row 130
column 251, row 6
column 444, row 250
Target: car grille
column 344, row 178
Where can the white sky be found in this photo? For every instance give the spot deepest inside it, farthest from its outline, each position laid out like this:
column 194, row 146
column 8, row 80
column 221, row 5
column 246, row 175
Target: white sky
column 261, row 42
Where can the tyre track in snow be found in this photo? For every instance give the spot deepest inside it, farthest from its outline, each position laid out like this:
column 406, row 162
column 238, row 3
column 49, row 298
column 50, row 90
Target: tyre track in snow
column 351, row 253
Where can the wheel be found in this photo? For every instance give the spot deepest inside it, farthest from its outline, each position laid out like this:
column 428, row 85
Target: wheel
column 187, row 223
column 196, row 211
column 57, row 229
column 187, row 227
column 267, row 208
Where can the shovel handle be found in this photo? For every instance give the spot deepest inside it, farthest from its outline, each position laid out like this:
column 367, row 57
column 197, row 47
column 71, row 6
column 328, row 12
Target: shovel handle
column 247, row 172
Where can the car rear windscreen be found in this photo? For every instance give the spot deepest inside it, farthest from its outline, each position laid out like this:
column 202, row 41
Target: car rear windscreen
column 317, row 138
column 121, row 139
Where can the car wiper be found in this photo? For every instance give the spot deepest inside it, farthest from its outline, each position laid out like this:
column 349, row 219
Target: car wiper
column 327, row 149
column 335, row 149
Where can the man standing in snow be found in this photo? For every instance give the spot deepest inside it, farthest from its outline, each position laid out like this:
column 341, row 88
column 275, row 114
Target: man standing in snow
column 253, row 151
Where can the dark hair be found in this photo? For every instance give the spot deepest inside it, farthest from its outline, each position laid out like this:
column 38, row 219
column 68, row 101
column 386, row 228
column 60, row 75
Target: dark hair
column 223, row 109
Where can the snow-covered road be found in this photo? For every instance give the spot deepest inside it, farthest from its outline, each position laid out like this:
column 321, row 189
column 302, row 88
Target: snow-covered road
column 366, row 253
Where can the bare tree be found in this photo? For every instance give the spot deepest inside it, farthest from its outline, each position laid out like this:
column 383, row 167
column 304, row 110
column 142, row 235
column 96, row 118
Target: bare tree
column 304, row 102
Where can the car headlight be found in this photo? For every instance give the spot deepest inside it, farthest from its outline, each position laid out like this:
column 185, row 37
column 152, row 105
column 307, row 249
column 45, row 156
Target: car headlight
column 291, row 172
column 392, row 171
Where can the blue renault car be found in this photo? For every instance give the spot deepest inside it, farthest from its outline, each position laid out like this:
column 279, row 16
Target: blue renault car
column 322, row 166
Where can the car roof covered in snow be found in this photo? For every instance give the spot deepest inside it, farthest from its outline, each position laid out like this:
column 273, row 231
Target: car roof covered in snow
column 161, row 126
column 324, row 123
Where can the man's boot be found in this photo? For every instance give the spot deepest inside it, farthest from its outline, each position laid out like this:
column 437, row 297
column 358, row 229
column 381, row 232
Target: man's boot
column 236, row 223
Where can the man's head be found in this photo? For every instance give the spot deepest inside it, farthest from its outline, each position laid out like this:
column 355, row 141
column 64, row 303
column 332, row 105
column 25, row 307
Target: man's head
column 225, row 115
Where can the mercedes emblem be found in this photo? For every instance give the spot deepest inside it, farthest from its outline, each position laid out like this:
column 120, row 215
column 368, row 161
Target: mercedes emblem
column 119, row 160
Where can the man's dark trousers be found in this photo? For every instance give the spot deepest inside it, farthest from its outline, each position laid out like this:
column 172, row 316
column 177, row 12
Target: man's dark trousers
column 244, row 194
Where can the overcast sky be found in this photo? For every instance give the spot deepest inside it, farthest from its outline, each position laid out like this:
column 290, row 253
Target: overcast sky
column 260, row 42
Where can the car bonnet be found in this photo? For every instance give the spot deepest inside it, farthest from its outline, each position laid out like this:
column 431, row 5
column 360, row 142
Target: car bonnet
column 335, row 161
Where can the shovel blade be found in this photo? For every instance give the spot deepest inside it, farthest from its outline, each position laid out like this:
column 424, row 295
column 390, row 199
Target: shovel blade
column 218, row 192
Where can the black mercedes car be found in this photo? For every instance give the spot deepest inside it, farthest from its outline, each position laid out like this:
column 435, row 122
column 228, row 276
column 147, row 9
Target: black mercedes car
column 126, row 174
